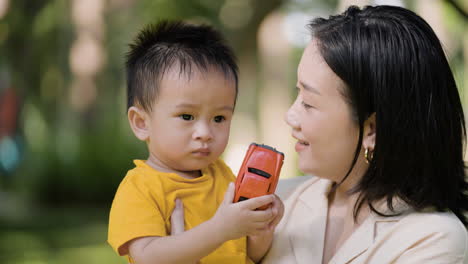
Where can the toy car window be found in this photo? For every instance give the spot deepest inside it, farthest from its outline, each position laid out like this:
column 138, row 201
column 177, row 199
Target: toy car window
column 259, row 172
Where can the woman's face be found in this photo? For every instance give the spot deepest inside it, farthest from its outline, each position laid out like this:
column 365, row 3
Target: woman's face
column 321, row 120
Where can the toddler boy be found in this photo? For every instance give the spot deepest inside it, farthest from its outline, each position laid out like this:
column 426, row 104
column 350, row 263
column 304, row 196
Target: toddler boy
column 182, row 88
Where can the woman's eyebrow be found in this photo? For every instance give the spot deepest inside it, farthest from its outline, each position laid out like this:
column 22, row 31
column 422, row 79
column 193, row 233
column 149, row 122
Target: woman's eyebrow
column 309, row 88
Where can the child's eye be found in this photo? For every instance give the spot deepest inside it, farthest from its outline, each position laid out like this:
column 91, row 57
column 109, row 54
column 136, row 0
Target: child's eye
column 306, row 106
column 186, row 117
column 219, row 119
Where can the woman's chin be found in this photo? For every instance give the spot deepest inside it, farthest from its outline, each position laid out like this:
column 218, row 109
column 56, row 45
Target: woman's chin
column 306, row 169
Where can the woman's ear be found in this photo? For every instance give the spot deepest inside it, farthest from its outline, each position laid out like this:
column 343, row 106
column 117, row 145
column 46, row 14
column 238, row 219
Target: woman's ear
column 139, row 122
column 368, row 141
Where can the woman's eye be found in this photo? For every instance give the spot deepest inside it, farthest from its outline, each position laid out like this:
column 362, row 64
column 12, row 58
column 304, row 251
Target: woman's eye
column 186, row 117
column 306, row 106
column 219, row 119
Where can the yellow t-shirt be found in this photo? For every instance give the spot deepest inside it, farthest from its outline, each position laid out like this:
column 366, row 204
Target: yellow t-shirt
column 145, row 200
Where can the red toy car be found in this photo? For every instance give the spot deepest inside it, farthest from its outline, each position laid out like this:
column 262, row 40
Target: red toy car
column 259, row 173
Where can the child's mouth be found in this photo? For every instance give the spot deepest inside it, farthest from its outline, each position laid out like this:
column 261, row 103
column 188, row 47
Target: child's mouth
column 203, row 152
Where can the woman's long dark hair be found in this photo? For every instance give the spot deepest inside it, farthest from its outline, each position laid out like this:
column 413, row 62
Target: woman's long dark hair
column 393, row 65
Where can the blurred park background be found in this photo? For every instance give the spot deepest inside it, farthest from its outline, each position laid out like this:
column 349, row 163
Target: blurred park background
column 65, row 143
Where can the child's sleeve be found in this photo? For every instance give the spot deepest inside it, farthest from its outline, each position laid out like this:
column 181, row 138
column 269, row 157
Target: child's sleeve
column 133, row 214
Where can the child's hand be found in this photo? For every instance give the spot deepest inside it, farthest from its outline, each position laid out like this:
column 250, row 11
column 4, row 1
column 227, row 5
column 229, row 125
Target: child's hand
column 177, row 218
column 235, row 220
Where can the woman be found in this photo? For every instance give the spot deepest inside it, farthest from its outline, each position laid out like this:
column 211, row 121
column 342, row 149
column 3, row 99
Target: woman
column 378, row 120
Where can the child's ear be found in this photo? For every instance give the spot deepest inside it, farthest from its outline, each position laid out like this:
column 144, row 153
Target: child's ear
column 139, row 122
column 369, row 135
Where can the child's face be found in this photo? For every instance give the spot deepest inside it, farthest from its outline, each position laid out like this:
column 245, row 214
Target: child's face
column 190, row 120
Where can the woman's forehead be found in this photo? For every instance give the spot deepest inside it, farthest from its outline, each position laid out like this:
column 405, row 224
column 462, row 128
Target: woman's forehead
column 314, row 72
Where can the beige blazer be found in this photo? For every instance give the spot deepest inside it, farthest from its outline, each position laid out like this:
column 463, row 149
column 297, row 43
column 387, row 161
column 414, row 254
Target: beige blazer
column 413, row 237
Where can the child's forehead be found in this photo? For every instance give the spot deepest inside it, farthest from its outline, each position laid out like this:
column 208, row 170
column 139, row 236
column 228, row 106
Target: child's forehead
column 188, row 72
column 182, row 83
column 191, row 84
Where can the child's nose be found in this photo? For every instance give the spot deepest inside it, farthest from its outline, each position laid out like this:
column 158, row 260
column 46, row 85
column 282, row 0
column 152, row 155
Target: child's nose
column 203, row 132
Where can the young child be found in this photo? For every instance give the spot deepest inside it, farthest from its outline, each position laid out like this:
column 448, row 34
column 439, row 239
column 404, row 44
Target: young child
column 182, row 89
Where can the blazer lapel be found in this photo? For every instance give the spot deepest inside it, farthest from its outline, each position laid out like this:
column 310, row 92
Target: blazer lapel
column 357, row 243
column 312, row 218
column 365, row 235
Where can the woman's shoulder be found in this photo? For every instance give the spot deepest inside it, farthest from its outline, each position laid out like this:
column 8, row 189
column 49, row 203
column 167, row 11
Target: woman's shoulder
column 431, row 221
column 427, row 222
column 421, row 236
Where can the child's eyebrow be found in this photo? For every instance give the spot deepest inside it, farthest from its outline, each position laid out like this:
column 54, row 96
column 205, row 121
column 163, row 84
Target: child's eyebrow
column 186, row 105
column 226, row 108
column 221, row 108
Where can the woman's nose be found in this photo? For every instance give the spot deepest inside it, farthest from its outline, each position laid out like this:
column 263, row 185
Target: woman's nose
column 291, row 117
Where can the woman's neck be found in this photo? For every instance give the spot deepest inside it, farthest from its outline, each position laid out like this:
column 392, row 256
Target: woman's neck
column 341, row 197
column 343, row 192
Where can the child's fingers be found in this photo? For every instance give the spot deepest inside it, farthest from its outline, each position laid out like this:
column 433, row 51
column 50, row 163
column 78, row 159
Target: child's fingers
column 257, row 202
column 177, row 218
column 229, row 195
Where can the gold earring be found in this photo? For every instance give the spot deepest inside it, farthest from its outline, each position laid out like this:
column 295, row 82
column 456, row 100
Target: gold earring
column 368, row 155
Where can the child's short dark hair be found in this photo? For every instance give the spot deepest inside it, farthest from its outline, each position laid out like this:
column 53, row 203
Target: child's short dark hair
column 158, row 47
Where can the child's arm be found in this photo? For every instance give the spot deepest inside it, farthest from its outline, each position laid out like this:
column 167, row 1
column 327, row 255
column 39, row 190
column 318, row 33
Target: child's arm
column 258, row 245
column 231, row 221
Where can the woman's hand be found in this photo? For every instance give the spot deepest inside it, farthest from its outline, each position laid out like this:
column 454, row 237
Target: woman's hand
column 258, row 244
